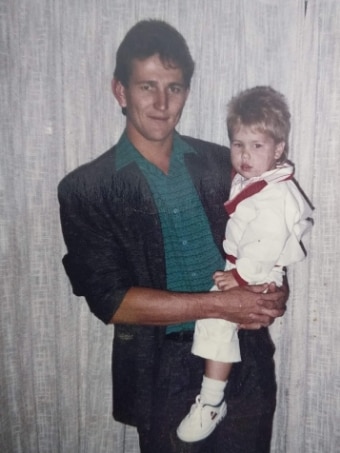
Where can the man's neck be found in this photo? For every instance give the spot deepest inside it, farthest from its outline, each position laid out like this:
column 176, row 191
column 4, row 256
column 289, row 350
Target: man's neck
column 156, row 152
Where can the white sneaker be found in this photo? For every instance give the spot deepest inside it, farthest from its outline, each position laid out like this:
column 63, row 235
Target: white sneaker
column 201, row 421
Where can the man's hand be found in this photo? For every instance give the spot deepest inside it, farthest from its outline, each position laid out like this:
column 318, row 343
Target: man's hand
column 271, row 304
column 251, row 307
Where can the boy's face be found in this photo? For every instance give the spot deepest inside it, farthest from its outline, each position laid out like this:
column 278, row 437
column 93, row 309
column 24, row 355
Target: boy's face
column 253, row 152
column 154, row 100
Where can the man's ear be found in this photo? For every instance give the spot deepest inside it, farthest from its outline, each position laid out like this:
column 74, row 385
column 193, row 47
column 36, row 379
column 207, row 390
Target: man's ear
column 279, row 150
column 118, row 91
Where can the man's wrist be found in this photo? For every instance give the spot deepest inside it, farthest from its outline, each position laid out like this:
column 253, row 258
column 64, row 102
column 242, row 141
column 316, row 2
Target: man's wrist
column 210, row 304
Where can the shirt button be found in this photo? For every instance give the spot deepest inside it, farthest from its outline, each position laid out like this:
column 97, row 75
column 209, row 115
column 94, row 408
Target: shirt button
column 185, row 242
column 175, row 211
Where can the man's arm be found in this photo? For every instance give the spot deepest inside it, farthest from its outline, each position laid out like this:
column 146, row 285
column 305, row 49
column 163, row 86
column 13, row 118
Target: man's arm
column 100, row 270
column 248, row 306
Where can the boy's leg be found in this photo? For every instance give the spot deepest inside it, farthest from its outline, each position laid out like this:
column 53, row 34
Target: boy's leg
column 216, row 340
column 217, row 370
column 214, row 381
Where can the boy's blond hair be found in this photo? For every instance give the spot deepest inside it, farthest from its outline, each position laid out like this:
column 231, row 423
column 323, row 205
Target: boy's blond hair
column 263, row 109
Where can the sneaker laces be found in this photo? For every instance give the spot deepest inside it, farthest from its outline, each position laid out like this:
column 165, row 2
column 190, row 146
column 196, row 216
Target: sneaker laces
column 197, row 408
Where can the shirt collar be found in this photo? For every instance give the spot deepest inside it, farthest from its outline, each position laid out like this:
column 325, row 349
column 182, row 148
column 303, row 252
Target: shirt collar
column 127, row 153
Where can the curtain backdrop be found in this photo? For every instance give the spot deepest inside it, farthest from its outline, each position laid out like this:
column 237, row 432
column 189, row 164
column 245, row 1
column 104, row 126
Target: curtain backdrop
column 57, row 111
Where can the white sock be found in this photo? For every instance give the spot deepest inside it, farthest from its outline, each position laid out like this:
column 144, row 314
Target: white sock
column 212, row 391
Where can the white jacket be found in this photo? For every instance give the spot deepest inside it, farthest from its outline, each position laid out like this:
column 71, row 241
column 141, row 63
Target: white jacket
column 268, row 217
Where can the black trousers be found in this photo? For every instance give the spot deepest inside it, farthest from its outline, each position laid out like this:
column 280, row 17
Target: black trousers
column 250, row 397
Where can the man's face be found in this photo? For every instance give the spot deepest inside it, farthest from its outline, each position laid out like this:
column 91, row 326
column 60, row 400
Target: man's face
column 154, row 100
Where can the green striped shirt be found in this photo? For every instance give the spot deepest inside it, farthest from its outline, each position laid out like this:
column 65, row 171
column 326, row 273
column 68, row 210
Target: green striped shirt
column 190, row 251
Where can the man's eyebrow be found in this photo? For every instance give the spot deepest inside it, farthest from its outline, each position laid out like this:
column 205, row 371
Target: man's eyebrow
column 151, row 82
column 154, row 83
column 180, row 84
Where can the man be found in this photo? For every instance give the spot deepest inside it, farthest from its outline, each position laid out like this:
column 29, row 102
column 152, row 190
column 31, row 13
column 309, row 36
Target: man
column 144, row 225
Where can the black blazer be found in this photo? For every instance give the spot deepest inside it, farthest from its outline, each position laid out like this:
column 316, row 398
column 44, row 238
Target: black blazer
column 113, row 236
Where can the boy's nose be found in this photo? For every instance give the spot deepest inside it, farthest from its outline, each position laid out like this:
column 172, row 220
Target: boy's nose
column 245, row 154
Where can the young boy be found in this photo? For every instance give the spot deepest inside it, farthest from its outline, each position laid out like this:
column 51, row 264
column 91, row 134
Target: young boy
column 268, row 217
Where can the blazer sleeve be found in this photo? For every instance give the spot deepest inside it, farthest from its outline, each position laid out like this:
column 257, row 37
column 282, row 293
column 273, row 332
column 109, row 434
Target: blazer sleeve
column 95, row 262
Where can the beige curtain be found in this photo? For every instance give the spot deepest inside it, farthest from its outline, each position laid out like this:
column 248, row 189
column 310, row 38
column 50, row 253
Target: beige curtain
column 57, row 57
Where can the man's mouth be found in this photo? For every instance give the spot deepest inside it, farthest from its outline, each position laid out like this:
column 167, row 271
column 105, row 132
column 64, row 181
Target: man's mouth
column 158, row 118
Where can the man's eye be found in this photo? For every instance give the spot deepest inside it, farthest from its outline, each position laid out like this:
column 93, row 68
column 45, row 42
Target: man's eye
column 175, row 89
column 145, row 87
column 258, row 145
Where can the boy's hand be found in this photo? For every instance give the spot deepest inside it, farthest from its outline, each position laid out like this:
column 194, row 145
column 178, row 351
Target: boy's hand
column 224, row 280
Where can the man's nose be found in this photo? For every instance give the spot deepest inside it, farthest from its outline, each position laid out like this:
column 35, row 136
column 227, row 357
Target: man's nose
column 161, row 100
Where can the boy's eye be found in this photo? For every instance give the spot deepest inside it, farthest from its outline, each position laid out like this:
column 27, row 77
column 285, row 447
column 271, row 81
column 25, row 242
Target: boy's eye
column 258, row 145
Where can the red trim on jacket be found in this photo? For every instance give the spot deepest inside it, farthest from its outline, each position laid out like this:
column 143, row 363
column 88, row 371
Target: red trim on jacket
column 238, row 277
column 252, row 189
column 231, row 258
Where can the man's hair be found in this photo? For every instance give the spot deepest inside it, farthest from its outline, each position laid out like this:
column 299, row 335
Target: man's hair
column 263, row 109
column 148, row 38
